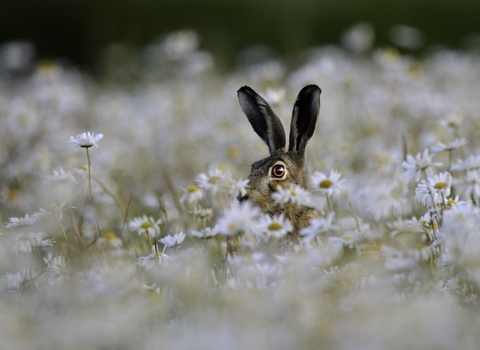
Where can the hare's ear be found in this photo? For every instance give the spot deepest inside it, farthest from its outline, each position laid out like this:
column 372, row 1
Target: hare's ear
column 304, row 118
column 263, row 119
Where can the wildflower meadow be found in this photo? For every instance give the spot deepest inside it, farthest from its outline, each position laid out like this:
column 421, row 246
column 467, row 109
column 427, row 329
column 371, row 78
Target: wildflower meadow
column 122, row 228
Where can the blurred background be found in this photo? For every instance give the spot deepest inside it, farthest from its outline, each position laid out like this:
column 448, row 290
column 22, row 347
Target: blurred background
column 78, row 30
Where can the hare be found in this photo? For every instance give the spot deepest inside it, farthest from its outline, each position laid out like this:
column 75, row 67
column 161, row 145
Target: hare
column 283, row 167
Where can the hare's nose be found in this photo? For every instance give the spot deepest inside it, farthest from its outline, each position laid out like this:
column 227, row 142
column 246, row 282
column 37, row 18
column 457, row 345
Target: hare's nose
column 244, row 198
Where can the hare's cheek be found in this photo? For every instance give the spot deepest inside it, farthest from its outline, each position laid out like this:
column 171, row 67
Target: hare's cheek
column 283, row 184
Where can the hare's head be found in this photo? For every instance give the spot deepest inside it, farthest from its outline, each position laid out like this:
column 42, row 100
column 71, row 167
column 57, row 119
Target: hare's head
column 283, row 167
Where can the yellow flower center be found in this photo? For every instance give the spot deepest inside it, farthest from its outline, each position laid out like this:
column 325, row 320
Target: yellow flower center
column 232, row 226
column 192, row 188
column 13, row 195
column 109, row 235
column 214, row 179
column 146, row 225
column 326, row 183
column 234, row 152
column 419, row 246
column 293, row 193
column 440, row 185
column 275, row 226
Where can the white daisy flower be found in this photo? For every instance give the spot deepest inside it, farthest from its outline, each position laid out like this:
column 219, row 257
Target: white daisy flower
column 327, row 185
column 86, row 139
column 191, row 194
column 275, row 96
column 381, row 201
column 434, row 190
column 421, row 252
column 397, row 260
column 109, row 240
column 276, row 226
column 240, row 217
column 144, row 224
column 293, row 194
column 27, row 220
column 153, row 260
column 170, row 241
column 452, row 121
column 352, row 230
column 470, row 185
column 317, row 227
column 206, row 233
column 213, row 180
column 469, row 164
column 415, row 166
column 399, row 226
column 452, row 146
column 60, row 176
column 55, row 263
column 239, row 188
column 203, row 213
column 25, row 242
column 17, row 280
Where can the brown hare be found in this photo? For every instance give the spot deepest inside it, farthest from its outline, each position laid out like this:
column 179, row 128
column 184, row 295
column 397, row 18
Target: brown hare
column 283, row 167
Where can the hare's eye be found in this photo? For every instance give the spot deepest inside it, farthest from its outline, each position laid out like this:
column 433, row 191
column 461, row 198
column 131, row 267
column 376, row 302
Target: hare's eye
column 278, row 171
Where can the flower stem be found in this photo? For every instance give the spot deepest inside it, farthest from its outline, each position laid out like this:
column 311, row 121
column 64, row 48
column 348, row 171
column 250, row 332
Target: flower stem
column 69, row 250
column 91, row 194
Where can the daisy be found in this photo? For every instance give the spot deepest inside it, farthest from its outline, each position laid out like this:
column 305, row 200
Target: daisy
column 399, row 226
column 396, row 260
column 469, row 164
column 170, row 241
column 239, row 188
column 276, row 226
column 317, row 227
column 381, row 201
column 415, row 166
column 275, row 96
column 240, row 217
column 206, row 233
column 27, row 220
column 192, row 194
column 60, row 176
column 452, row 121
column 294, row 194
column 452, row 146
column 86, row 139
column 203, row 213
column 421, row 252
column 434, row 190
column 214, row 180
column 470, row 186
column 19, row 280
column 109, row 240
column 146, row 225
column 327, row 185
column 154, row 259
column 55, row 263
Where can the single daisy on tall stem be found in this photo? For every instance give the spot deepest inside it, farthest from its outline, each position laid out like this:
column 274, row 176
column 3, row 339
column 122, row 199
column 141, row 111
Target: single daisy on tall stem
column 87, row 140
column 328, row 185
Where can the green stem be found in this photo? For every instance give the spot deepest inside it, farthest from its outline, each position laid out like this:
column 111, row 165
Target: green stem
column 69, row 250
column 90, row 190
column 329, row 203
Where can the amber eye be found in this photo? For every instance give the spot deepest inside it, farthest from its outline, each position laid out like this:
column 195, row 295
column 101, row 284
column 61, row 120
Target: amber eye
column 278, row 171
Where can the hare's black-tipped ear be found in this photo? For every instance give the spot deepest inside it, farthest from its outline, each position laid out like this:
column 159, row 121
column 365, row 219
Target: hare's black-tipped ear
column 264, row 121
column 304, row 118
